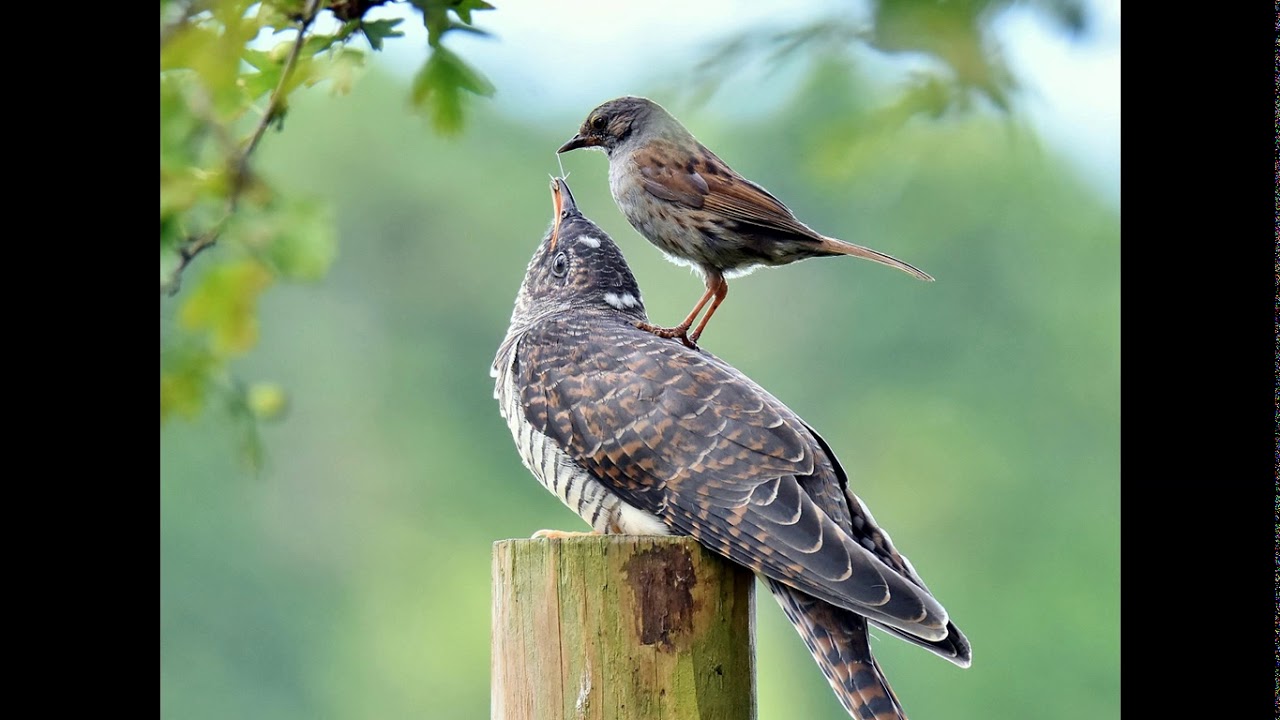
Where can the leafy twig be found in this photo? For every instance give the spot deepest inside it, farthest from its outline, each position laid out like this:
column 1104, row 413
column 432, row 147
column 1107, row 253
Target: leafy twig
column 181, row 17
column 240, row 167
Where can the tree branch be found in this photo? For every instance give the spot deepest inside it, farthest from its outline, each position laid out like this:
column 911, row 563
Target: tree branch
column 240, row 166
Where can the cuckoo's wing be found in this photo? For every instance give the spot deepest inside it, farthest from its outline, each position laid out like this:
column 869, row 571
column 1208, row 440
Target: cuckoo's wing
column 684, row 436
column 849, row 512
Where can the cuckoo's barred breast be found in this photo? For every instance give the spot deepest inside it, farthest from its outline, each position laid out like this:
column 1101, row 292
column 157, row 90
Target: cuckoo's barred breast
column 602, row 509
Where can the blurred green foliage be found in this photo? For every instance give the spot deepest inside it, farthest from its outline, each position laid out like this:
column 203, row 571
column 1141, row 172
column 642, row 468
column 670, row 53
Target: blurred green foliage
column 977, row 416
column 219, row 93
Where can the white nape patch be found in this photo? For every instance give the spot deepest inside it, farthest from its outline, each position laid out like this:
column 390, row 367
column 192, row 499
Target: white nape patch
column 589, row 241
column 621, row 302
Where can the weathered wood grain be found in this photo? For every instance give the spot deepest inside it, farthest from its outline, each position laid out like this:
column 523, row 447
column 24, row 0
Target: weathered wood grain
column 620, row 628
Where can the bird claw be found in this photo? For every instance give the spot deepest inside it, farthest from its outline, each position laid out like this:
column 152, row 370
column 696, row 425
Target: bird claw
column 675, row 332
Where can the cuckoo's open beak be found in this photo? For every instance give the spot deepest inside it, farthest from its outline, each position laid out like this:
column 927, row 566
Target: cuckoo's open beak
column 578, row 141
column 563, row 204
column 562, row 198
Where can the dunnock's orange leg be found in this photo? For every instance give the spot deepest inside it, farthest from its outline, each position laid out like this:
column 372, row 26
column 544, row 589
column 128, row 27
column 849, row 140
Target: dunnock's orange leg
column 714, row 281
column 722, row 291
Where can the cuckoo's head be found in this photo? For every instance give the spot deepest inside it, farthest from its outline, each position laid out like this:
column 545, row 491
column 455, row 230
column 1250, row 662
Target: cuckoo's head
column 576, row 266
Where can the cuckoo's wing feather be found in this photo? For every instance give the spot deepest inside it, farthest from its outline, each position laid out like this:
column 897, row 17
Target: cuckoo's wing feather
column 684, row 436
column 953, row 648
column 848, row 510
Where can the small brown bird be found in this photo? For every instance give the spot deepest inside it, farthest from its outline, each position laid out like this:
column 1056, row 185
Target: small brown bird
column 695, row 208
column 641, row 436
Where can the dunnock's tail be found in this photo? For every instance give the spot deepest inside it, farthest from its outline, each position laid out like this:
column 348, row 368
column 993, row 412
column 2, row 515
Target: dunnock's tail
column 840, row 247
column 838, row 640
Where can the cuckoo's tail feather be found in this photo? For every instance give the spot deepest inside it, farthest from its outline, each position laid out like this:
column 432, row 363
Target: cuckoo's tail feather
column 839, row 641
column 954, row 647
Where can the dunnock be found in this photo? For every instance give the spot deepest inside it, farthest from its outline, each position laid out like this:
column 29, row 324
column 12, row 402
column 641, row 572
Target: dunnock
column 695, row 208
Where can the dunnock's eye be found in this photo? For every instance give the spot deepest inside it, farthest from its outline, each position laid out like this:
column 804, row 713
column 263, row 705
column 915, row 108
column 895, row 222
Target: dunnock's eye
column 597, row 122
column 560, row 265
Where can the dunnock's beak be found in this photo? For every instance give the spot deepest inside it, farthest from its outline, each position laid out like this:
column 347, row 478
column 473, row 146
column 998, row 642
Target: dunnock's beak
column 578, row 141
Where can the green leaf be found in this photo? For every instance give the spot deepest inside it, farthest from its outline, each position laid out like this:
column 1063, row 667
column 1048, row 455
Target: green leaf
column 212, row 47
column 295, row 238
column 226, row 306
column 170, row 233
column 463, row 9
column 304, row 242
column 184, row 379
column 437, row 89
column 261, row 59
column 469, row 29
column 180, row 130
column 182, row 187
column 472, row 80
column 181, row 394
column 435, row 16
column 349, row 28
column 343, row 68
column 255, row 85
column 278, row 14
column 378, row 30
column 316, row 44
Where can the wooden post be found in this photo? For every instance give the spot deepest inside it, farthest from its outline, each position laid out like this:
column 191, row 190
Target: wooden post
column 621, row 628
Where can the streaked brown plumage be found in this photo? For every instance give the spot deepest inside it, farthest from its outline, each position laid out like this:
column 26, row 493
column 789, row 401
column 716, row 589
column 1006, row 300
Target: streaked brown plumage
column 643, row 436
column 695, row 208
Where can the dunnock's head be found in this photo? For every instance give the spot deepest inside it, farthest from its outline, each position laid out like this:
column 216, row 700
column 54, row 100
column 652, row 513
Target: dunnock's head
column 623, row 123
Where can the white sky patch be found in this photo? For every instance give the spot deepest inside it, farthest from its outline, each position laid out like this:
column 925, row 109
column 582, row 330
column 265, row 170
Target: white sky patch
column 1072, row 88
column 554, row 61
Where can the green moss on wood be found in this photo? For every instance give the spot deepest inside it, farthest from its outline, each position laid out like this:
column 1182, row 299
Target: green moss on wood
column 620, row 628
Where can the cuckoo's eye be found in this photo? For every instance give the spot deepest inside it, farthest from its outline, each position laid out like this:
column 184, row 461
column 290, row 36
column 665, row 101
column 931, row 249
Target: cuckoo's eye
column 598, row 122
column 560, row 265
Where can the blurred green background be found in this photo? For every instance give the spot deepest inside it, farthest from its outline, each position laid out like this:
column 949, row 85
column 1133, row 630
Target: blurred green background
column 978, row 416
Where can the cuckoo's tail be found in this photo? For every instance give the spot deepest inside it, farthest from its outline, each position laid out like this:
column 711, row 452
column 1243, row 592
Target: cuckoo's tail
column 839, row 641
